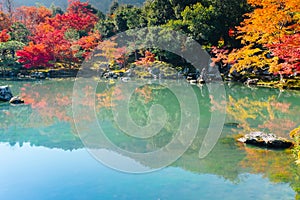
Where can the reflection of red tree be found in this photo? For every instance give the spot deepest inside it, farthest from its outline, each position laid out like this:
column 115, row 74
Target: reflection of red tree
column 217, row 106
column 280, row 127
column 47, row 106
column 106, row 99
column 282, row 107
column 145, row 92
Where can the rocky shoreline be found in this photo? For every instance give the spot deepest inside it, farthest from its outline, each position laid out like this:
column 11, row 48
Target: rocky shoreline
column 289, row 83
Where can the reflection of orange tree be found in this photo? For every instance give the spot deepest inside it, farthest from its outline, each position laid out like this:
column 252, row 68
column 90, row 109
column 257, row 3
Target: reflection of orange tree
column 278, row 166
column 145, row 93
column 272, row 115
column 107, row 98
column 295, row 134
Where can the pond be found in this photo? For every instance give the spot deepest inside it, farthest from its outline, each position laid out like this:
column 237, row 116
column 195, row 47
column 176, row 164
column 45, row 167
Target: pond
column 50, row 148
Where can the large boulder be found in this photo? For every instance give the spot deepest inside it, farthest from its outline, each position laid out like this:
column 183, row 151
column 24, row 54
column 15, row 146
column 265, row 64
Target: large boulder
column 266, row 140
column 5, row 93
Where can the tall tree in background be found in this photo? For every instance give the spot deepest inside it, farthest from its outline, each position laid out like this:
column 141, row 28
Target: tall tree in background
column 8, row 6
column 32, row 16
column 4, row 21
column 129, row 17
column 19, row 32
column 113, row 7
column 210, row 21
column 158, row 12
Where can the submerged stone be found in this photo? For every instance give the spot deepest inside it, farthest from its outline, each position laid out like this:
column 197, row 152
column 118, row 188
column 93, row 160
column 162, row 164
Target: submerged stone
column 232, row 125
column 266, row 140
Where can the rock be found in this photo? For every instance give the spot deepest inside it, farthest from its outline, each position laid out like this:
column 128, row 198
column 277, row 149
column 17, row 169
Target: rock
column 38, row 75
column 266, row 140
column 5, row 93
column 16, row 100
column 125, row 79
column 192, row 81
column 251, row 81
column 200, row 81
column 232, row 125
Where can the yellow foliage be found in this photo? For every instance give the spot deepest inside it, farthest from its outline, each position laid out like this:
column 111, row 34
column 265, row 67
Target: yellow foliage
column 269, row 21
column 295, row 132
column 250, row 57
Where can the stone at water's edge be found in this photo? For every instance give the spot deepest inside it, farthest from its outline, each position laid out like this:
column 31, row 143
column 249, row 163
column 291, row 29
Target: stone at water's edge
column 16, row 100
column 266, row 140
column 5, row 93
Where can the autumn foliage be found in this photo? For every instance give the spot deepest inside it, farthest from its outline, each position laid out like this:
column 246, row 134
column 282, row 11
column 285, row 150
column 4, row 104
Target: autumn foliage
column 287, row 49
column 4, row 21
column 31, row 16
column 147, row 59
column 35, row 55
column 265, row 39
column 270, row 38
column 4, row 36
column 49, row 36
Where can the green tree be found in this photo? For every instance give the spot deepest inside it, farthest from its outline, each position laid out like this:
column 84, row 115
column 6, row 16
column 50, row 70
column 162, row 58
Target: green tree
column 210, row 21
column 200, row 21
column 179, row 6
column 7, row 54
column 105, row 27
column 158, row 12
column 72, row 35
column 19, row 32
column 113, row 7
column 129, row 17
column 56, row 10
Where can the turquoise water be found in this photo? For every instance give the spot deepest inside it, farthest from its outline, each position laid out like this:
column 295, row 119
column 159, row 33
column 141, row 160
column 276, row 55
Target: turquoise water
column 42, row 156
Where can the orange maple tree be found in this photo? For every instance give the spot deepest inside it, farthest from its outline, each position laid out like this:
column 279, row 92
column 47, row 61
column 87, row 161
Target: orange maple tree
column 147, row 59
column 4, row 21
column 4, row 36
column 269, row 22
column 32, row 16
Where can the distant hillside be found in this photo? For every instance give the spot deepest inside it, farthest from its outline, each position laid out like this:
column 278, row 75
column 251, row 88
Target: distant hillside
column 102, row 5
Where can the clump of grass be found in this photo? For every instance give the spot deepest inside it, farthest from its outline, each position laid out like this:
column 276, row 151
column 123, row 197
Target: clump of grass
column 295, row 134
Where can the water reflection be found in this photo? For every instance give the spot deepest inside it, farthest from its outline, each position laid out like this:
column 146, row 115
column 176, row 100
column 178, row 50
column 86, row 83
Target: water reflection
column 47, row 120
